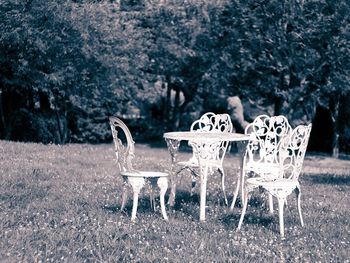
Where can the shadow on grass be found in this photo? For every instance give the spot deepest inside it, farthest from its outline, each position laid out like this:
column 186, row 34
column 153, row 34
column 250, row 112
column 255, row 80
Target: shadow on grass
column 110, row 208
column 252, row 217
column 257, row 213
column 184, row 198
column 184, row 203
column 330, row 179
column 144, row 206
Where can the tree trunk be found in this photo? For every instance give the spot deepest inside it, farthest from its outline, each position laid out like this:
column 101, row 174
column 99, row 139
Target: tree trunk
column 176, row 109
column 3, row 124
column 58, row 121
column 167, row 105
column 335, row 124
column 279, row 101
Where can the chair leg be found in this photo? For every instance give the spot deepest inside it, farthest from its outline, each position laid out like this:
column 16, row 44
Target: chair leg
column 124, row 196
column 236, row 192
column 222, row 172
column 152, row 182
column 152, row 199
column 172, row 195
column 242, row 186
column 193, row 181
column 163, row 186
column 181, row 169
column 134, row 205
column 270, row 203
column 136, row 183
column 193, row 186
column 298, row 192
column 244, row 209
column 280, row 215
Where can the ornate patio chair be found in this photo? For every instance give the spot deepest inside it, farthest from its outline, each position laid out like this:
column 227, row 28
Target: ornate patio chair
column 284, row 176
column 209, row 122
column 125, row 152
column 261, row 155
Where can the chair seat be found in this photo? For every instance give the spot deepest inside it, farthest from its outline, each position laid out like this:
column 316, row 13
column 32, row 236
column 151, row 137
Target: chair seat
column 277, row 183
column 192, row 162
column 279, row 188
column 144, row 174
column 210, row 163
column 188, row 163
column 270, row 170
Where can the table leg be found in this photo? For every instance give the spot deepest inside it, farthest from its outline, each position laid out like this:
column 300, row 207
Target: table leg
column 204, row 152
column 240, row 180
column 173, row 147
column 238, row 185
column 242, row 146
column 203, row 193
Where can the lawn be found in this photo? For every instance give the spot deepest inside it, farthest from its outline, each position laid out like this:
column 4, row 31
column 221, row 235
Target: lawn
column 61, row 204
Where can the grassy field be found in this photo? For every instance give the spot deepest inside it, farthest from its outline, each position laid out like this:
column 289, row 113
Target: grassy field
column 61, row 204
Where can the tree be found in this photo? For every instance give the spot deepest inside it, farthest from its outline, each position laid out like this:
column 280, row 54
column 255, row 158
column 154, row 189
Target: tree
column 286, row 53
column 328, row 36
column 179, row 53
column 57, row 57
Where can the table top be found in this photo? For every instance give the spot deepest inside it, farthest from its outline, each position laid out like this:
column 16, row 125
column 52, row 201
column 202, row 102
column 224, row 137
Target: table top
column 206, row 136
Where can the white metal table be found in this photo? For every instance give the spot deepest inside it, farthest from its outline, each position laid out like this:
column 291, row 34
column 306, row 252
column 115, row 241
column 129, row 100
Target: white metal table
column 205, row 145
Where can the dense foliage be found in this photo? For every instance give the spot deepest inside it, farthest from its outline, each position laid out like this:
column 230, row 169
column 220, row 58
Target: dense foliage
column 71, row 64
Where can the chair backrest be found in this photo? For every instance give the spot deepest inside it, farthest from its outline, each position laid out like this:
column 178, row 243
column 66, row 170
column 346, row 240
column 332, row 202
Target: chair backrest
column 124, row 144
column 293, row 151
column 266, row 135
column 211, row 122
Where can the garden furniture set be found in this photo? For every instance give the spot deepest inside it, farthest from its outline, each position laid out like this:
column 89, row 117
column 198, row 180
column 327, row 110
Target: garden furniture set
column 271, row 153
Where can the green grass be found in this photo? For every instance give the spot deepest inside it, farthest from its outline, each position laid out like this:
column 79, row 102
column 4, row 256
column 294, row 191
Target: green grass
column 61, row 204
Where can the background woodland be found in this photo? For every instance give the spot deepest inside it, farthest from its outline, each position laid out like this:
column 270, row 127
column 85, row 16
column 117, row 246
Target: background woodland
column 65, row 66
